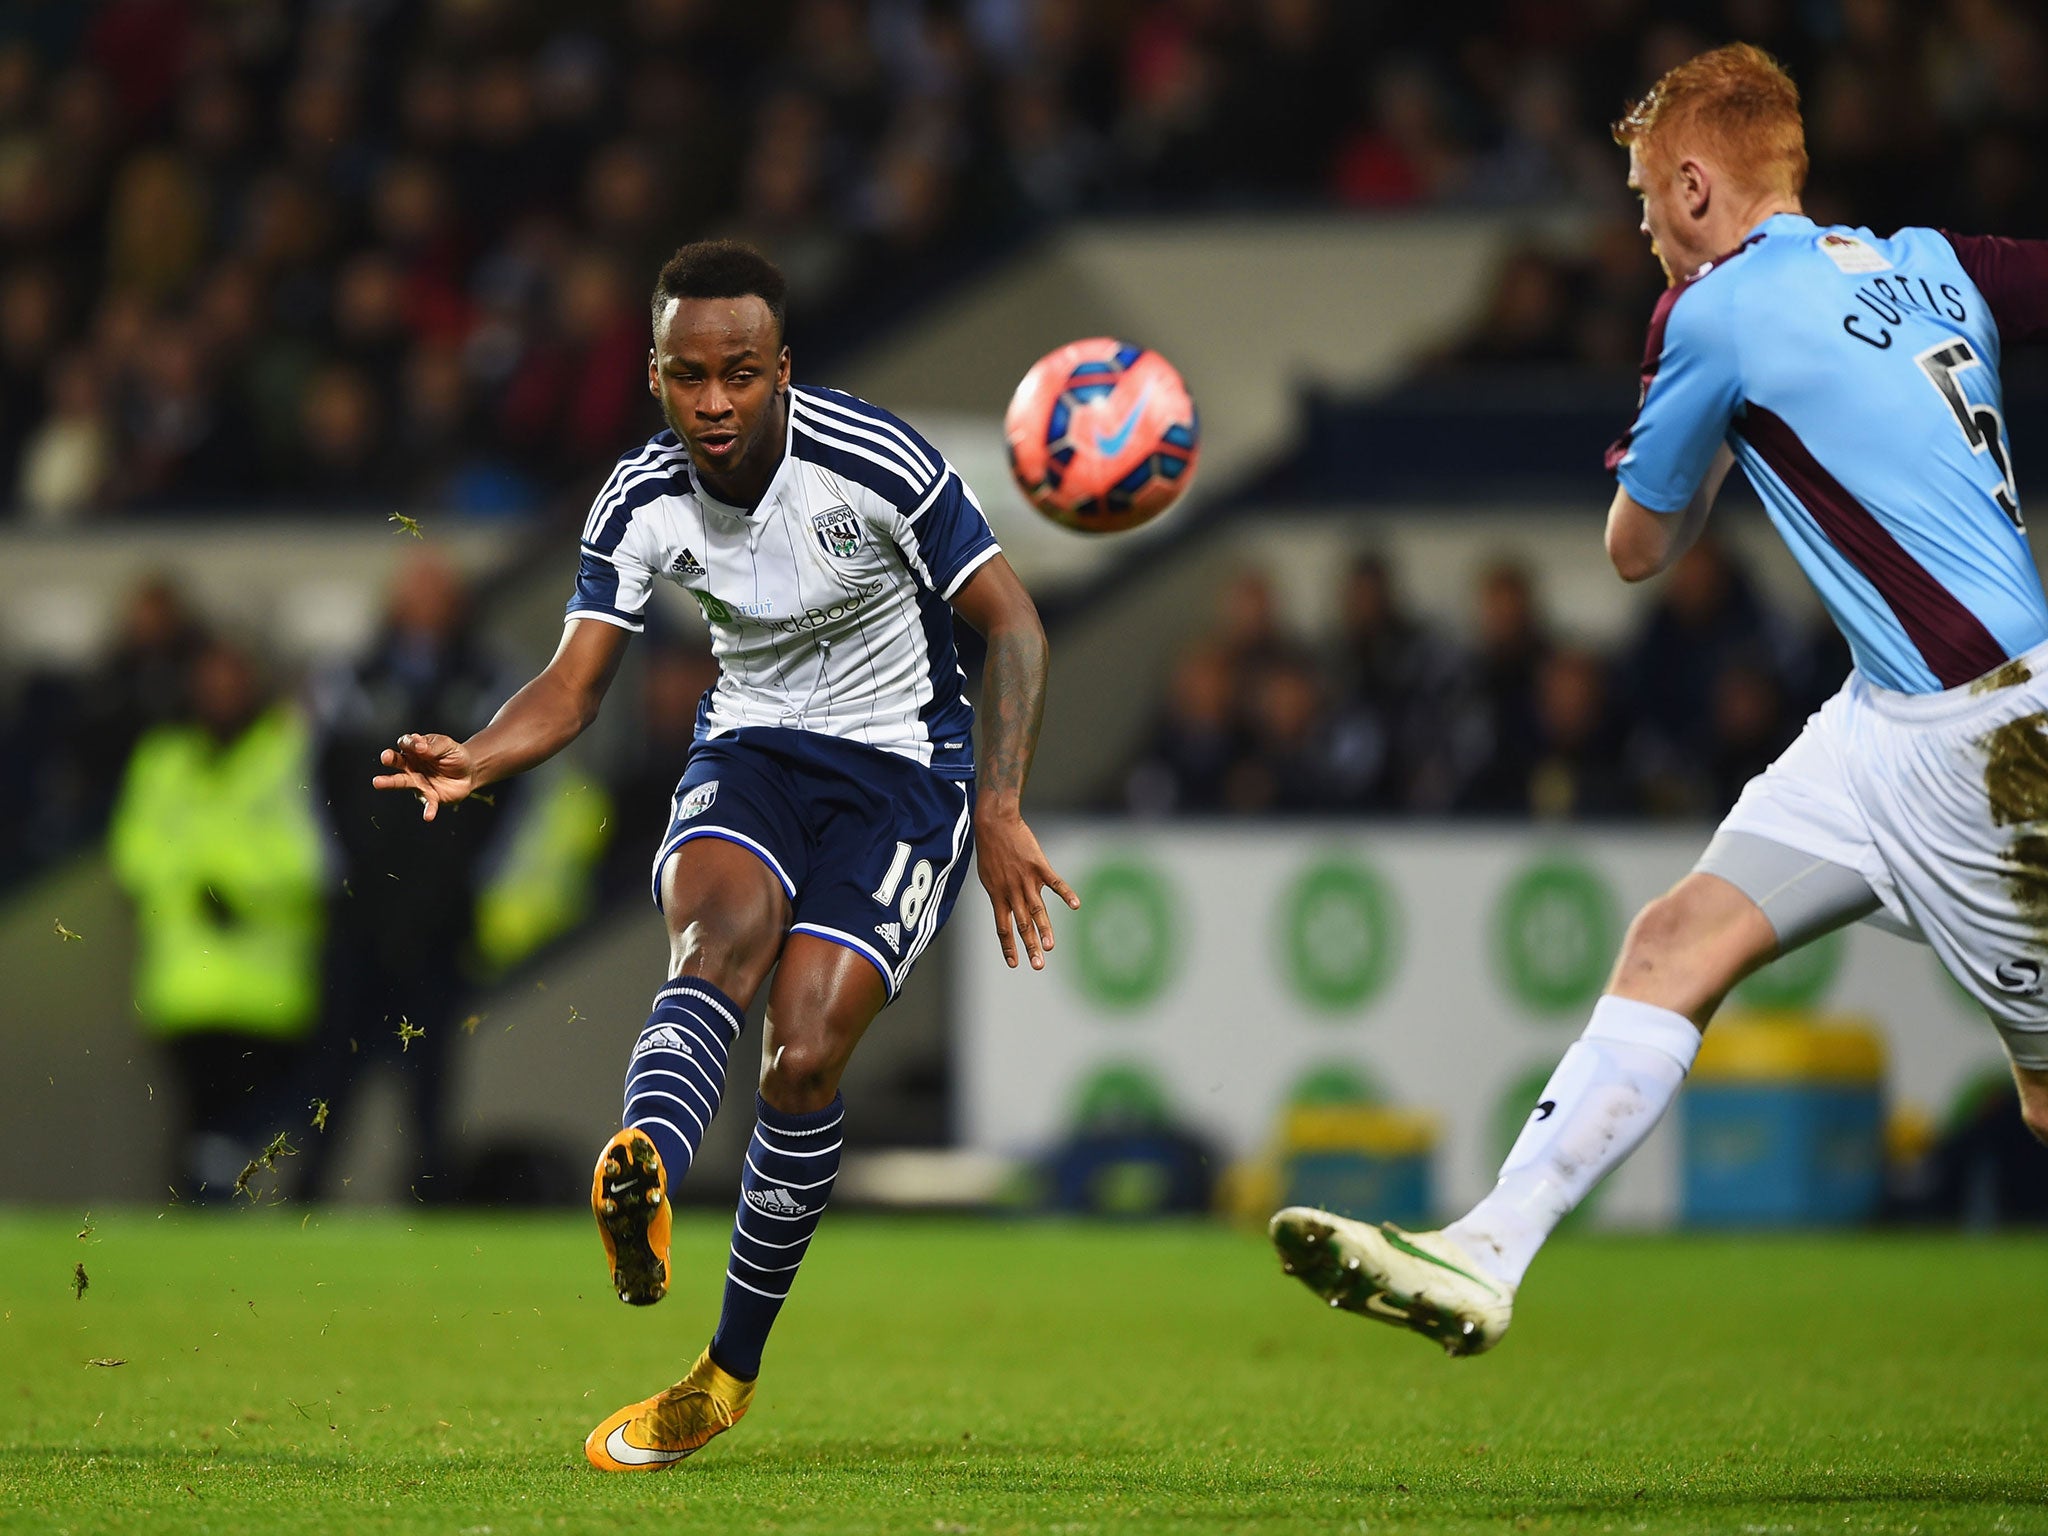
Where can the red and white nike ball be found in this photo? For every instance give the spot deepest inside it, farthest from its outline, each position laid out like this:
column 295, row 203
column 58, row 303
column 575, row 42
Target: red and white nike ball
column 1102, row 435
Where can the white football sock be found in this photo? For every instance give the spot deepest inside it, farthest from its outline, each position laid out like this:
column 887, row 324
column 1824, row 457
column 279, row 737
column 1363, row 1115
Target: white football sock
column 1613, row 1085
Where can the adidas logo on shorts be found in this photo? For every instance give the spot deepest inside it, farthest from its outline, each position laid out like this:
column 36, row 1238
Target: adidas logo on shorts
column 663, row 1037
column 776, row 1202
column 890, row 934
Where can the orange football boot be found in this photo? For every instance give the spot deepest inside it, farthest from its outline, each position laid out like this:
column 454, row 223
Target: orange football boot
column 654, row 1435
column 629, row 1198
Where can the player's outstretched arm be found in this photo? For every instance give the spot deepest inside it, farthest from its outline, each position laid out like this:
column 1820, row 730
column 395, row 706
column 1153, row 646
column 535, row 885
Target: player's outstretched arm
column 535, row 723
column 1013, row 867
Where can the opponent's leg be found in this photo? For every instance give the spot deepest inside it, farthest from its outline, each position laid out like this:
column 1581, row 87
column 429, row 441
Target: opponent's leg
column 726, row 914
column 2033, row 1084
column 825, row 996
column 1683, row 952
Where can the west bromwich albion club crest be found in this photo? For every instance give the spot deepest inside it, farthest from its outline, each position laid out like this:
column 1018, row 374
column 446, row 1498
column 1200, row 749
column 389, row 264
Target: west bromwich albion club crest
column 697, row 801
column 839, row 531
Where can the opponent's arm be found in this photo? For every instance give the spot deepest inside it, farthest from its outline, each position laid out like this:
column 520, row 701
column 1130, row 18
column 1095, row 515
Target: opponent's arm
column 1643, row 543
column 534, row 724
column 1013, row 867
column 2013, row 277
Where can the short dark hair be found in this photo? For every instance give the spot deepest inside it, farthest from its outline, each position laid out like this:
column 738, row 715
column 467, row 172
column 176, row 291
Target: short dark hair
column 721, row 269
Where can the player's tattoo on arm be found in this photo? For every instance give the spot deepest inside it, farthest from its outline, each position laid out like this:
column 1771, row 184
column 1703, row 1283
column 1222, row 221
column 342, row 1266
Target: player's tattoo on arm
column 1014, row 686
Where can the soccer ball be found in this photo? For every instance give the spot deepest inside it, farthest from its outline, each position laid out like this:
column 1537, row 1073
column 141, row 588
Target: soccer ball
column 1102, row 435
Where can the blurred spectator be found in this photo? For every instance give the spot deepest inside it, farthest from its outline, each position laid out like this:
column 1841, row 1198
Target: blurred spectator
column 405, row 922
column 1403, row 153
column 186, row 447
column 583, row 390
column 1183, row 769
column 92, row 727
column 1750, row 729
column 156, row 227
column 1527, row 318
column 68, row 459
column 1705, row 620
column 215, row 840
column 1392, row 681
column 1570, row 766
column 370, row 330
column 1248, row 632
column 1544, row 155
column 1284, row 765
column 31, row 326
column 342, row 451
column 1496, row 707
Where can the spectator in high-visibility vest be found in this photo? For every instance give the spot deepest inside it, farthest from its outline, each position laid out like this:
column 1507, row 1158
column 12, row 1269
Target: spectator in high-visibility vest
column 215, row 839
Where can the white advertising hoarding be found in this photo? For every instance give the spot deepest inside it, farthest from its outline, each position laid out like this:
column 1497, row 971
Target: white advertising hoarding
column 1445, row 970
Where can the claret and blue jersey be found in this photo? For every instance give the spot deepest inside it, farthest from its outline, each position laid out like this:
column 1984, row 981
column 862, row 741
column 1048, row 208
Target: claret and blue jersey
column 1856, row 379
column 828, row 603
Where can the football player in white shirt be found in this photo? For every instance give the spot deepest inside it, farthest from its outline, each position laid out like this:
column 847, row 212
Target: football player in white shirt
column 820, row 829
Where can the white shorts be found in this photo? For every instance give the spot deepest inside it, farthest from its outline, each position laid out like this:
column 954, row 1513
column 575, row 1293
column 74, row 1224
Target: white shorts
column 1940, row 802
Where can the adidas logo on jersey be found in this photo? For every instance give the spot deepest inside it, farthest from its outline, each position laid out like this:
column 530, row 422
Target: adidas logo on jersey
column 663, row 1037
column 685, row 565
column 776, row 1202
column 891, row 933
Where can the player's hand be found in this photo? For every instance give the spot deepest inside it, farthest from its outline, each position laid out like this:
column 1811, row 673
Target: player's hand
column 1016, row 876
column 436, row 768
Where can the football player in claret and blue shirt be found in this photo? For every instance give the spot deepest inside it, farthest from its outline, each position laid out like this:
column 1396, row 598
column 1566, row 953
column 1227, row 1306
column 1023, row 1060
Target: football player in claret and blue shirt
column 1855, row 379
column 823, row 824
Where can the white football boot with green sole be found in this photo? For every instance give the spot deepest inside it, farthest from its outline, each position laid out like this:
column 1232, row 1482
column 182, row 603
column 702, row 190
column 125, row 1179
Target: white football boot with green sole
column 1418, row 1280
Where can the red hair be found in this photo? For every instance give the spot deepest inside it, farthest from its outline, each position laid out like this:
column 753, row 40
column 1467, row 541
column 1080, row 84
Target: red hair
column 1737, row 106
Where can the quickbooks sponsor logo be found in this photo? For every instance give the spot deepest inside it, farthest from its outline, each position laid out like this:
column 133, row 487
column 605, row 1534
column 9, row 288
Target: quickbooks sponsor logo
column 816, row 618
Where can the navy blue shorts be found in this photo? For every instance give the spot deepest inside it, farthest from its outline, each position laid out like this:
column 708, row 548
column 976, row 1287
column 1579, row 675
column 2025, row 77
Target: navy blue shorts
column 870, row 848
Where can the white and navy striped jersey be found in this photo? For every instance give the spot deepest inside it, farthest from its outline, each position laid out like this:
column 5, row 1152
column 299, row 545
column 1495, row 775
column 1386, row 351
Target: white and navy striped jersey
column 828, row 603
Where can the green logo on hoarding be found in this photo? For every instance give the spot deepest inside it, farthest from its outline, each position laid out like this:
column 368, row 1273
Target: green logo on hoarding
column 1120, row 1094
column 1554, row 932
column 1338, row 935
column 1337, row 1082
column 1798, row 980
column 1126, row 933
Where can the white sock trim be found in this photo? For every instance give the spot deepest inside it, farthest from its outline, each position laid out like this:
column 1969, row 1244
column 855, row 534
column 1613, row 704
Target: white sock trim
column 1645, row 1024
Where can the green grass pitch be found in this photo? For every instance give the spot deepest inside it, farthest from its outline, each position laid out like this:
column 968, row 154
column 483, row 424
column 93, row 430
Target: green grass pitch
column 426, row 1373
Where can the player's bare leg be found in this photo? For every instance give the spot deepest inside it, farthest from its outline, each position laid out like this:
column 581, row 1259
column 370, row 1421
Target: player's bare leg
column 1682, row 954
column 726, row 914
column 1686, row 949
column 824, row 998
column 2033, row 1085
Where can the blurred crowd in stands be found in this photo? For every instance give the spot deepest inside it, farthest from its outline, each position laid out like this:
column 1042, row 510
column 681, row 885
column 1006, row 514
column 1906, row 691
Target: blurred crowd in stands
column 1391, row 714
column 332, row 253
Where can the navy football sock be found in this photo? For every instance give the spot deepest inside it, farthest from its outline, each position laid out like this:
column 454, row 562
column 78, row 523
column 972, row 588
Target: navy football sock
column 677, row 1072
column 791, row 1164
